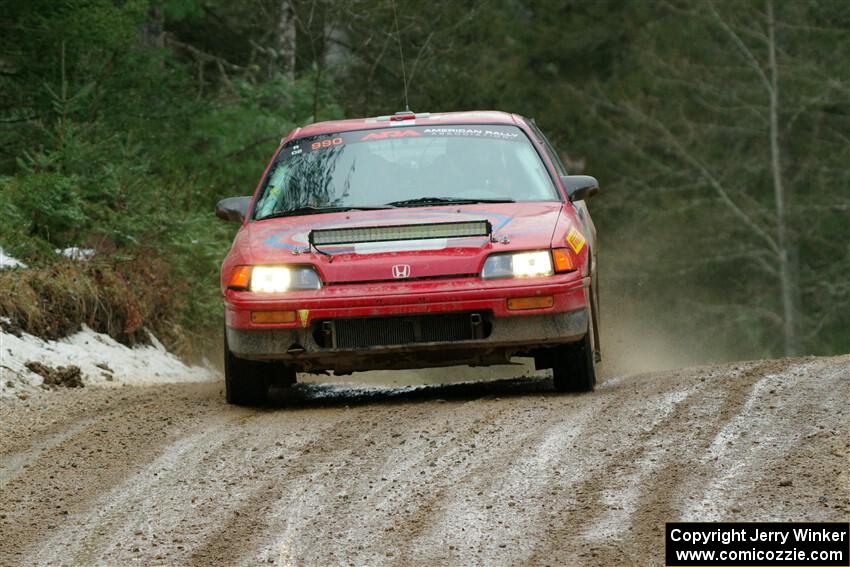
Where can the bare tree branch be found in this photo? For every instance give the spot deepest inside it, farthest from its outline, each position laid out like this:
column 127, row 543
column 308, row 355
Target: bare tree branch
column 171, row 41
column 697, row 164
column 745, row 51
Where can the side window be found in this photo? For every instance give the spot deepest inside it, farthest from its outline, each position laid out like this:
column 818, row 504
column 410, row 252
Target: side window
column 580, row 206
column 550, row 151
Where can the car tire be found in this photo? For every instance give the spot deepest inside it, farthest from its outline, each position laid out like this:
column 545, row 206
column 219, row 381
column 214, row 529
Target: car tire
column 282, row 376
column 576, row 368
column 246, row 382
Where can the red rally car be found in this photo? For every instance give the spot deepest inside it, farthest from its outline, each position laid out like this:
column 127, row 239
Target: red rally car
column 409, row 241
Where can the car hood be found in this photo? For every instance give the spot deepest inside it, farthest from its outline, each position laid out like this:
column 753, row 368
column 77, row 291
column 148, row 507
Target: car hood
column 515, row 226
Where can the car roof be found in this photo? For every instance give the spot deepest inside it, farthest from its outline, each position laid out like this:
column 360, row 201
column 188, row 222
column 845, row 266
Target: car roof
column 401, row 119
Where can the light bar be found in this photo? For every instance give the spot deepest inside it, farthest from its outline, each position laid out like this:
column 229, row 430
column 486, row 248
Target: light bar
column 332, row 236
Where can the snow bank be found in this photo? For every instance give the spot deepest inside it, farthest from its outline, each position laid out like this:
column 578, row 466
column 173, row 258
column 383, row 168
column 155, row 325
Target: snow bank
column 7, row 261
column 72, row 253
column 101, row 359
column 75, row 253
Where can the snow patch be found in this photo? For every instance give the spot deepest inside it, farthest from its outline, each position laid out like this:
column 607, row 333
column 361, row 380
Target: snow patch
column 102, row 360
column 7, row 261
column 75, row 253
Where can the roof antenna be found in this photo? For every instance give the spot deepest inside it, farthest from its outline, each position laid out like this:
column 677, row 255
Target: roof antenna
column 401, row 53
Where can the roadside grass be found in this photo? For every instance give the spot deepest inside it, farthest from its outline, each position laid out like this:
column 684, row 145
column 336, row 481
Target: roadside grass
column 122, row 299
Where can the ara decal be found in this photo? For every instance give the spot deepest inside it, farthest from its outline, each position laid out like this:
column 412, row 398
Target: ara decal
column 575, row 240
column 390, row 134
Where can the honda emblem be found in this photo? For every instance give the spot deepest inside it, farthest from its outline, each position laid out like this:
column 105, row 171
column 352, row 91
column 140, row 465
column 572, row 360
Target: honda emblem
column 401, row 271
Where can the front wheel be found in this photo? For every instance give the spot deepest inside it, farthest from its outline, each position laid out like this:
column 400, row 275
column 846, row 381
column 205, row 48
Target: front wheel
column 247, row 382
column 575, row 370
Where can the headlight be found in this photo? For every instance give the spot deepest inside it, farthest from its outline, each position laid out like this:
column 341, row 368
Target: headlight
column 276, row 279
column 518, row 265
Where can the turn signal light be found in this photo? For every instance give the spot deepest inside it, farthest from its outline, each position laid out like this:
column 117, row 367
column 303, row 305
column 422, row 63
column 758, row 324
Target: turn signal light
column 272, row 317
column 240, row 278
column 539, row 302
column 563, row 260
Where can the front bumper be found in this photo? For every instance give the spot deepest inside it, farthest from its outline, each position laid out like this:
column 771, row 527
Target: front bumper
column 509, row 332
column 509, row 337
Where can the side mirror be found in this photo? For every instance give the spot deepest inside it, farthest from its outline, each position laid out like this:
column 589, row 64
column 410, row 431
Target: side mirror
column 233, row 208
column 580, row 187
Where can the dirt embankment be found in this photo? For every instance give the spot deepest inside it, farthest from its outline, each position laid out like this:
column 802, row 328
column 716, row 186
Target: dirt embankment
column 493, row 474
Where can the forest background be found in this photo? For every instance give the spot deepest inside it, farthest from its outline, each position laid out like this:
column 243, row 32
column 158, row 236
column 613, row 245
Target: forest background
column 719, row 130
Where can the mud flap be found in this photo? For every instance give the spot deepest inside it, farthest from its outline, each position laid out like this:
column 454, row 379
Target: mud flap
column 594, row 307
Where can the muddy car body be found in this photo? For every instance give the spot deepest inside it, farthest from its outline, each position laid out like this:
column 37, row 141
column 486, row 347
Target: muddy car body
column 410, row 241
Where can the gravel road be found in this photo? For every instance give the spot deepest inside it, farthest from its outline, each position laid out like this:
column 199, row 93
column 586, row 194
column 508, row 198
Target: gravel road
column 497, row 473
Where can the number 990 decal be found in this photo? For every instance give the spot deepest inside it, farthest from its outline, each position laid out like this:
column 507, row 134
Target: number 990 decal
column 325, row 144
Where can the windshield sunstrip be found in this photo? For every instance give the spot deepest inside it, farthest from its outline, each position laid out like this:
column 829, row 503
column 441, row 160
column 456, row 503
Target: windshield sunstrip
column 300, row 146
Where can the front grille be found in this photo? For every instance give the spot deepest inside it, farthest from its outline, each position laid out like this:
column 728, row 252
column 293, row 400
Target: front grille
column 393, row 331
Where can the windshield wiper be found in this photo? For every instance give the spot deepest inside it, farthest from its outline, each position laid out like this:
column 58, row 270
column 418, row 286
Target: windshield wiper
column 319, row 210
column 444, row 201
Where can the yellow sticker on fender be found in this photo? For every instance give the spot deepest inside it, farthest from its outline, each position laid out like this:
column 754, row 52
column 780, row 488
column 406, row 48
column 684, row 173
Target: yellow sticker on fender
column 303, row 315
column 575, row 240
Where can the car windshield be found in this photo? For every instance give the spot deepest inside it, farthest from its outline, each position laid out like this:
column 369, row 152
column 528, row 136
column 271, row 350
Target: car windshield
column 404, row 166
